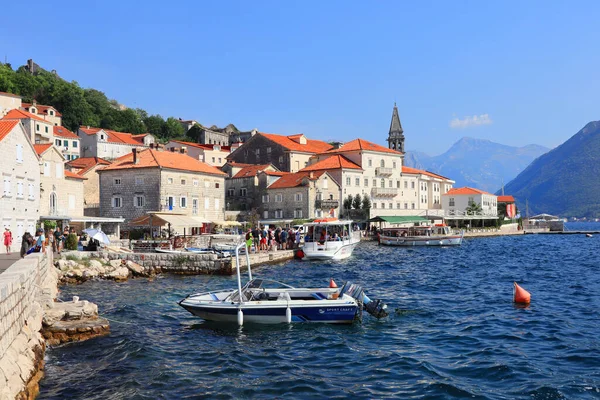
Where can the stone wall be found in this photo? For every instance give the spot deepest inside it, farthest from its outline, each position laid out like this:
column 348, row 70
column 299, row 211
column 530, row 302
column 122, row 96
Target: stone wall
column 187, row 264
column 27, row 288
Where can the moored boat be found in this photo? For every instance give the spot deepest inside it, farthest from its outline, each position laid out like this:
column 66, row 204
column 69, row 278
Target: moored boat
column 265, row 301
column 436, row 235
column 329, row 239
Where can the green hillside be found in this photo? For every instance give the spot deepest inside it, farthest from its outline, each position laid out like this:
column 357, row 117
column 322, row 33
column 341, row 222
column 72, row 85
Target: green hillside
column 84, row 106
column 564, row 181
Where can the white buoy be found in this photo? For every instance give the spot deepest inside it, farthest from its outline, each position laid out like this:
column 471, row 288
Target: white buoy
column 288, row 314
column 240, row 317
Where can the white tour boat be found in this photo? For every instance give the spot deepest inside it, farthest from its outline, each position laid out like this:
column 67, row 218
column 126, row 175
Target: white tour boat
column 268, row 302
column 437, row 235
column 329, row 239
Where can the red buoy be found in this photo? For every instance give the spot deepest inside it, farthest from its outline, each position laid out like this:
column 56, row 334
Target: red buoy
column 521, row 295
column 332, row 283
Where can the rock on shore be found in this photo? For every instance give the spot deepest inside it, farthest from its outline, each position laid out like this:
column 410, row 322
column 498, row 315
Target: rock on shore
column 79, row 271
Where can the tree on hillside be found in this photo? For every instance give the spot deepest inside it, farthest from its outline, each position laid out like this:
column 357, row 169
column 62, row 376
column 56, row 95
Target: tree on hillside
column 155, row 125
column 172, row 129
column 194, row 133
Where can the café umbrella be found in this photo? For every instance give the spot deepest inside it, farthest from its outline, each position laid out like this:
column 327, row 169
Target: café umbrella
column 97, row 235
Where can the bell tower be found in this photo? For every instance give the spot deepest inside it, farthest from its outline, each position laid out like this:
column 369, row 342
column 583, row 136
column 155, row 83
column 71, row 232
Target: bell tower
column 396, row 135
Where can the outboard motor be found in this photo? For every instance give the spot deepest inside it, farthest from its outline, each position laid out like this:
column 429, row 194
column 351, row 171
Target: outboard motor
column 376, row 308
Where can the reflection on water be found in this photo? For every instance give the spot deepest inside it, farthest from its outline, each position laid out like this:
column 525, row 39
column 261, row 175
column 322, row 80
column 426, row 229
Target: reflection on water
column 454, row 331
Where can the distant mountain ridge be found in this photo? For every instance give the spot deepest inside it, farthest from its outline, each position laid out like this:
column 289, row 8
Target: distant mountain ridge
column 565, row 181
column 477, row 163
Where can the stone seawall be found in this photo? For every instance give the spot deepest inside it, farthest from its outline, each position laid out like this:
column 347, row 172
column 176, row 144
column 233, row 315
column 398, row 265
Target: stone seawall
column 27, row 289
column 185, row 264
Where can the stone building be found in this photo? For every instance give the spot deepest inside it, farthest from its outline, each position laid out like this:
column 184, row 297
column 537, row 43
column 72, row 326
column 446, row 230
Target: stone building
column 300, row 195
column 19, row 166
column 286, row 153
column 151, row 180
column 108, row 144
column 456, row 201
column 47, row 113
column 369, row 169
column 39, row 130
column 243, row 188
column 67, row 142
column 422, row 189
column 9, row 101
column 86, row 167
column 212, row 154
column 61, row 192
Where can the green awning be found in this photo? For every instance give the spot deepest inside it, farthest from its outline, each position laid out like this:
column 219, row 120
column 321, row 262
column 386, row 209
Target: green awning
column 399, row 219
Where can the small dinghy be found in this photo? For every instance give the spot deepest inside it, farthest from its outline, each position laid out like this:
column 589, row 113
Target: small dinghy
column 588, row 235
column 264, row 301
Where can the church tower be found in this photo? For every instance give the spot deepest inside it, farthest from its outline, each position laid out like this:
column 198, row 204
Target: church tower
column 396, row 135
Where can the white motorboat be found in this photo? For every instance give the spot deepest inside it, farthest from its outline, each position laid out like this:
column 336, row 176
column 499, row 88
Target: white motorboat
column 265, row 301
column 329, row 239
column 437, row 235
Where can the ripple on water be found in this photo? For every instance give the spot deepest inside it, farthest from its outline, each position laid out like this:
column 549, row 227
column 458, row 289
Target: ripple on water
column 453, row 331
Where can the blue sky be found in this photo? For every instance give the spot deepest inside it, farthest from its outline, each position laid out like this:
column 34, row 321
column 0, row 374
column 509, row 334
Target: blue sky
column 512, row 72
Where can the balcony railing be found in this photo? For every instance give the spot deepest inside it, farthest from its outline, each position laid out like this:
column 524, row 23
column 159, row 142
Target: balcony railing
column 383, row 171
column 384, row 192
column 326, row 204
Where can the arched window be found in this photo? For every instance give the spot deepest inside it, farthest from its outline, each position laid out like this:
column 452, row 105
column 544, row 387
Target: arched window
column 382, row 163
column 53, row 203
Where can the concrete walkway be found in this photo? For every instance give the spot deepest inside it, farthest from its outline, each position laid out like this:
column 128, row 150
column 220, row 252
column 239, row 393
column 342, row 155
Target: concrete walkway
column 6, row 260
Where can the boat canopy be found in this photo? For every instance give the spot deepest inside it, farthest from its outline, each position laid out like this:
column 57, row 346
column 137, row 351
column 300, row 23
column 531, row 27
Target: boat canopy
column 399, row 219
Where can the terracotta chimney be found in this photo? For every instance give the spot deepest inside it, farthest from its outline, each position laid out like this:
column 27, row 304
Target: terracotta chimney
column 135, row 155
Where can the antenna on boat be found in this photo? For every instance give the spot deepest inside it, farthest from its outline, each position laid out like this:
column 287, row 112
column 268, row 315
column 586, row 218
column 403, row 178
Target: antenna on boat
column 237, row 264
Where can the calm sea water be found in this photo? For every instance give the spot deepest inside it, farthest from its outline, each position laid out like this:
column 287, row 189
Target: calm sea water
column 453, row 331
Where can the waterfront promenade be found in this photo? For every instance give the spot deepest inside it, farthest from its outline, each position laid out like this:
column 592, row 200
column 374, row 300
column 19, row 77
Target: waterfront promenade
column 8, row 260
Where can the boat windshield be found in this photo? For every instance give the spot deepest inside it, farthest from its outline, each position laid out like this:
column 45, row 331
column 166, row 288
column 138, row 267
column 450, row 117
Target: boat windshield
column 326, row 233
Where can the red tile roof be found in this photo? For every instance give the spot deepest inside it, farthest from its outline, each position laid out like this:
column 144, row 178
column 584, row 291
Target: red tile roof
column 41, row 109
column 464, row 190
column 20, row 114
column 69, row 174
column 506, row 199
column 84, row 164
column 6, row 126
column 275, row 173
column 408, row 170
column 41, row 148
column 10, row 94
column 251, row 170
column 288, row 142
column 61, row 131
column 295, row 179
column 202, row 146
column 361, row 144
column 116, row 137
column 150, row 158
column 334, row 162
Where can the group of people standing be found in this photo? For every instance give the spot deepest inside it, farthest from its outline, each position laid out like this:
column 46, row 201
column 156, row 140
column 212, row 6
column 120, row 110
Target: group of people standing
column 268, row 239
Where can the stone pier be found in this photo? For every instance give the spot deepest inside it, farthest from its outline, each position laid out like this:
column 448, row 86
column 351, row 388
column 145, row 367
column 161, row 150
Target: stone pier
column 27, row 288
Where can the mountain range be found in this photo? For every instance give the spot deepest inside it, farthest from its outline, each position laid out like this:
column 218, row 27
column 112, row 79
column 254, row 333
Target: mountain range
column 477, row 163
column 565, row 181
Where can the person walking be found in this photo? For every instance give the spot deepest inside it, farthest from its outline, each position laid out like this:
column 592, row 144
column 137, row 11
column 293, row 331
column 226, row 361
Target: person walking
column 58, row 238
column 7, row 239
